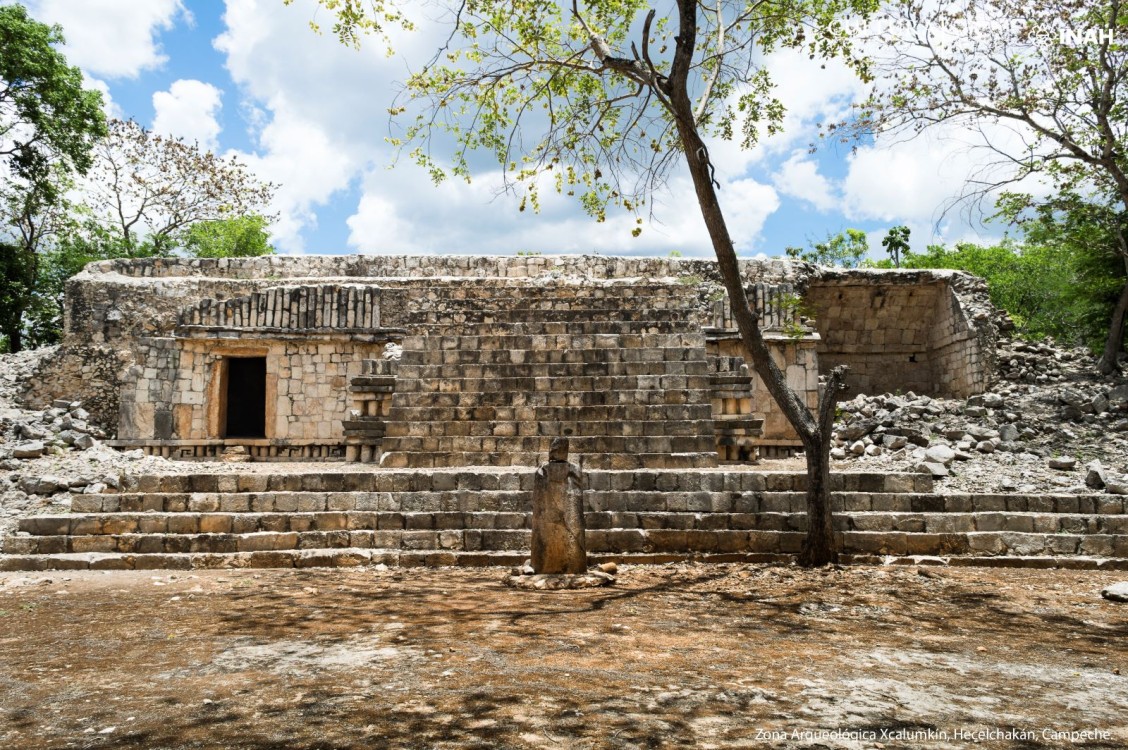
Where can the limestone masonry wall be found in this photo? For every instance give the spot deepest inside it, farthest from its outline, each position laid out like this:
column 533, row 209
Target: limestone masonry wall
column 902, row 331
column 146, row 341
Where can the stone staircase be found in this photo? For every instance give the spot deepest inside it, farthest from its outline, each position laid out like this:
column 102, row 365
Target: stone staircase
column 490, row 380
column 481, row 516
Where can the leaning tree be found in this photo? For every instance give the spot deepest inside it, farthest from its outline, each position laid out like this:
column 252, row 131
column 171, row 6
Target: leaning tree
column 604, row 100
column 1042, row 83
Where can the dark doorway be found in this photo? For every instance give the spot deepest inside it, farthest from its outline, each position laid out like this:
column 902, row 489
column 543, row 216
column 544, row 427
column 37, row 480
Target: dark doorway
column 246, row 397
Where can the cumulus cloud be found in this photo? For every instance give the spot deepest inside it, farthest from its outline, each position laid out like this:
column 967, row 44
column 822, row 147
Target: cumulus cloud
column 401, row 211
column 799, row 177
column 921, row 179
column 318, row 116
column 112, row 38
column 188, row 110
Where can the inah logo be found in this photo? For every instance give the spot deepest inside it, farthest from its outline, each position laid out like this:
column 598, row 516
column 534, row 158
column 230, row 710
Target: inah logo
column 1072, row 38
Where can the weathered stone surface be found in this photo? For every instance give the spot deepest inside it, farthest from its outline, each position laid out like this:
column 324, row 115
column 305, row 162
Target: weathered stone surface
column 1096, row 476
column 558, row 539
column 940, row 454
column 32, row 449
column 1116, row 592
column 1062, row 463
column 934, row 468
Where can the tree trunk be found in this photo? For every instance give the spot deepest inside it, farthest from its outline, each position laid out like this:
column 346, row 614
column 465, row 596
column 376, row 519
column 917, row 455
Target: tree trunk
column 819, row 547
column 1108, row 363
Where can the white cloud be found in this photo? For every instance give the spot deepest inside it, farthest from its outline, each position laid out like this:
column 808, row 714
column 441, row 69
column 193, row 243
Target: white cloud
column 308, row 167
column 112, row 38
column 799, row 177
column 188, row 110
column 318, row 109
column 920, row 179
column 401, row 211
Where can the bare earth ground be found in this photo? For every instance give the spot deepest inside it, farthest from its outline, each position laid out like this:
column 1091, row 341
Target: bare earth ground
column 681, row 655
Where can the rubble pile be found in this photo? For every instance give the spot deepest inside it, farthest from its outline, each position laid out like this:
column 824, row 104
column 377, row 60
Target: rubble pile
column 1048, row 423
column 32, row 434
column 48, row 455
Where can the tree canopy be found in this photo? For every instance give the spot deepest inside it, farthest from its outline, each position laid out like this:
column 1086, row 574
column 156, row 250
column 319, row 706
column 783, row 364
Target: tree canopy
column 48, row 126
column 578, row 96
column 46, row 117
column 846, row 249
column 1045, row 82
column 236, row 237
column 148, row 185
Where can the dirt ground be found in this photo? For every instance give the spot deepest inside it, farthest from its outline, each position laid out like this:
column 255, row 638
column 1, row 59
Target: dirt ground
column 672, row 656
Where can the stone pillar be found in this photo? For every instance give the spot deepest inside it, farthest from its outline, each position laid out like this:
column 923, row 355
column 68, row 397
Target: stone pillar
column 558, row 515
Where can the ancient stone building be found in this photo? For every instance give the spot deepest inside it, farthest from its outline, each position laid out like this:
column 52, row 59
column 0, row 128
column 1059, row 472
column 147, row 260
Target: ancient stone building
column 480, row 361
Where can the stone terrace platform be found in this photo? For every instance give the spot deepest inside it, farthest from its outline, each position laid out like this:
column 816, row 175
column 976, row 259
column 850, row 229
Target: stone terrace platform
column 323, row 516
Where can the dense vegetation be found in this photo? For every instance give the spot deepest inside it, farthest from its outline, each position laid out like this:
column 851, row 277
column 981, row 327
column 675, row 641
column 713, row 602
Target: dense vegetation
column 142, row 194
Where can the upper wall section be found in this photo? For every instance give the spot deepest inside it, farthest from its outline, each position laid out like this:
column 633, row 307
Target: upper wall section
column 930, row 332
column 468, row 266
column 114, row 300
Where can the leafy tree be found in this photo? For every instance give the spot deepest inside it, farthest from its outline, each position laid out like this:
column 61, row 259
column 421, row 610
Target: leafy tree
column 614, row 116
column 237, row 237
column 48, row 125
column 896, row 243
column 148, row 185
column 62, row 259
column 1082, row 239
column 1032, row 67
column 846, row 249
column 17, row 270
column 46, row 117
column 34, row 214
column 1033, row 282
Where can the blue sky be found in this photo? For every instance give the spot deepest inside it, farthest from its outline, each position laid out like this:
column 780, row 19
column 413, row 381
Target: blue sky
column 249, row 77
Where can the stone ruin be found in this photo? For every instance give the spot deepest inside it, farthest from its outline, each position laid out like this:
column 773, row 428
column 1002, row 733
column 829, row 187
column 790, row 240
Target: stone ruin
column 480, row 361
column 425, row 391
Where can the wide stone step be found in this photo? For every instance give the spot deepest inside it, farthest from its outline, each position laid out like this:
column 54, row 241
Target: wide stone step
column 100, row 524
column 926, row 523
column 520, row 478
column 269, row 541
column 596, row 412
column 551, row 398
column 578, row 367
column 708, row 520
column 353, row 557
column 726, row 480
column 955, row 503
column 691, row 341
column 452, row 500
column 413, row 359
column 310, row 558
column 990, row 543
column 987, row 543
column 625, row 461
column 688, row 358
column 761, row 501
column 591, row 446
column 656, row 426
